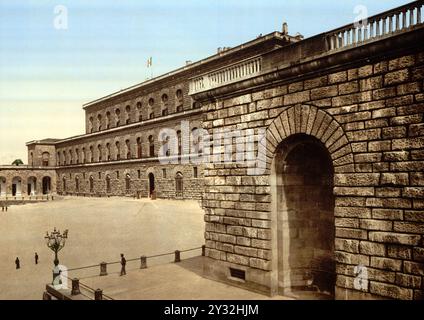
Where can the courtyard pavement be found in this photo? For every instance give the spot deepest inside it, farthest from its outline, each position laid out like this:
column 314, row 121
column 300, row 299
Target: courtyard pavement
column 101, row 229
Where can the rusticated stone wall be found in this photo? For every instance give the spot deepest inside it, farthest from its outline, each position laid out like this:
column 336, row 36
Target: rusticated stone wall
column 369, row 118
column 76, row 181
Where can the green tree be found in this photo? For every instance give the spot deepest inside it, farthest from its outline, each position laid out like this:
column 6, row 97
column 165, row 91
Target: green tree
column 17, row 162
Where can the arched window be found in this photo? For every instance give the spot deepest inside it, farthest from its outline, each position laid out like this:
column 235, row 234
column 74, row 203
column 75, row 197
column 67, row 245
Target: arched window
column 77, row 186
column 108, row 184
column 128, row 114
column 179, row 100
column 179, row 184
column 99, row 122
column 31, row 159
column 127, row 183
column 108, row 151
column 139, row 151
column 77, row 156
column 196, row 141
column 91, row 184
column 151, row 147
column 164, row 98
column 117, row 117
column 151, row 110
column 139, row 115
column 179, row 95
column 168, row 147
column 45, row 158
column 83, row 155
column 90, row 125
column 71, row 157
column 64, row 157
column 179, row 142
column 91, row 154
column 58, row 159
column 128, row 147
column 99, row 152
column 107, row 120
column 118, row 150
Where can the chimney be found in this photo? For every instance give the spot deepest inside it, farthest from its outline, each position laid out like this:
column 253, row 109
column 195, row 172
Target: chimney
column 285, row 29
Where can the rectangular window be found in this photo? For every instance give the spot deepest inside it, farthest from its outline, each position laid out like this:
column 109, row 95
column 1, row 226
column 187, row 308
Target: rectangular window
column 139, row 174
column 117, row 174
column 164, row 173
column 237, row 273
column 100, row 175
column 195, row 172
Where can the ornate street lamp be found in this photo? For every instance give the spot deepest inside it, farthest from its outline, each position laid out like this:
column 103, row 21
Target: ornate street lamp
column 56, row 241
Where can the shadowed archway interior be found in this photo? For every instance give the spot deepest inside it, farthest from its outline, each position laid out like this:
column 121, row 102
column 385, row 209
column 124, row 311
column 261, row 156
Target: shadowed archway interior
column 305, row 216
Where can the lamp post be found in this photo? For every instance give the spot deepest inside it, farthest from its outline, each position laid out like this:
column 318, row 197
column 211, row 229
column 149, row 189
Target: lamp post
column 56, row 241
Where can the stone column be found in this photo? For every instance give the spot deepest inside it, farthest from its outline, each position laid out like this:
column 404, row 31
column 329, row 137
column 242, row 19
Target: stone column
column 103, row 269
column 75, row 287
column 98, row 294
column 143, row 262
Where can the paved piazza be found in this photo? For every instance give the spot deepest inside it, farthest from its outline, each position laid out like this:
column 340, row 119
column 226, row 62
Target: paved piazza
column 99, row 230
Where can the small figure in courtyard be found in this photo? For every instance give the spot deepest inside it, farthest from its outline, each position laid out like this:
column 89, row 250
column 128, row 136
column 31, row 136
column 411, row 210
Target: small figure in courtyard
column 123, row 263
column 36, row 258
column 17, row 263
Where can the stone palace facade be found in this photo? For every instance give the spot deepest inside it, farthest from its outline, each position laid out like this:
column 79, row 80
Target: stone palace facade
column 338, row 204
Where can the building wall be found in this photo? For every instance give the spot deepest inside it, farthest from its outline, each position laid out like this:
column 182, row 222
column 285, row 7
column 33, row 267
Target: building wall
column 24, row 175
column 67, row 151
column 370, row 120
column 39, row 153
column 136, row 109
column 165, row 185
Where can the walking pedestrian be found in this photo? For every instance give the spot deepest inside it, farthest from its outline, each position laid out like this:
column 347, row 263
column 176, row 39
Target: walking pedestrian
column 17, row 263
column 36, row 258
column 123, row 263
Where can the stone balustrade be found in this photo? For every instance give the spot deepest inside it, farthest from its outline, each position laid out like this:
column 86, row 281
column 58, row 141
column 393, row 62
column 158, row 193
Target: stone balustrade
column 240, row 71
column 401, row 19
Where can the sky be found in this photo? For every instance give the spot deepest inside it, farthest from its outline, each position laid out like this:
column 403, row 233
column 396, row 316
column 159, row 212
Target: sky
column 57, row 55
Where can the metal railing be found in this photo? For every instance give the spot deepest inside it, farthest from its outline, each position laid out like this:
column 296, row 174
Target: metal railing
column 97, row 294
column 401, row 19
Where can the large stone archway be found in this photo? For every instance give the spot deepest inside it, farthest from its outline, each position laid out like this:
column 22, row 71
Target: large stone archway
column 306, row 146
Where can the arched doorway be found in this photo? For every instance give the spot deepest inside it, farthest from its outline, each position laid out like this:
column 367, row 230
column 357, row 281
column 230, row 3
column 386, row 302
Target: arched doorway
column 17, row 186
column 305, row 217
column 179, row 185
column 91, row 182
column 46, row 185
column 77, row 185
column 32, row 186
column 151, row 183
column 108, row 189
column 127, row 183
column 2, row 186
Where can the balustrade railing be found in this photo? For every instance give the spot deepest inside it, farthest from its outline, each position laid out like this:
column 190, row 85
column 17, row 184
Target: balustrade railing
column 388, row 23
column 240, row 71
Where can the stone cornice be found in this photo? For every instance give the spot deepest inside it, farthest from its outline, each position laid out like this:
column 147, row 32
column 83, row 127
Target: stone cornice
column 320, row 64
